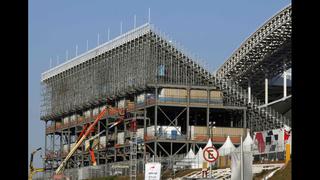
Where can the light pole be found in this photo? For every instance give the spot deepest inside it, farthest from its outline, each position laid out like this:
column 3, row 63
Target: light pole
column 211, row 125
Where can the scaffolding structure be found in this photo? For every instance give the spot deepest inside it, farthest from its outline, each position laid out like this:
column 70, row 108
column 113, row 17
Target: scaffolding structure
column 135, row 71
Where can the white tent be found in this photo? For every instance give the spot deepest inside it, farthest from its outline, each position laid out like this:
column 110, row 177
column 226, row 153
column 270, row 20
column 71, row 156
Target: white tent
column 189, row 159
column 189, row 156
column 236, row 166
column 199, row 158
column 248, row 141
column 247, row 160
column 209, row 144
column 227, row 147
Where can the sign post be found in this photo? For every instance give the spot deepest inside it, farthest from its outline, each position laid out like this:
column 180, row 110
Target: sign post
column 210, row 154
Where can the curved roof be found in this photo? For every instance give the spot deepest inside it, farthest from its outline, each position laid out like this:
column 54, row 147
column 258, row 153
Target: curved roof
column 267, row 50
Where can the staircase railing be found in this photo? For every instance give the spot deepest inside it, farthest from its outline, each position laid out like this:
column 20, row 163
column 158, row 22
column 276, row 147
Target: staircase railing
column 258, row 118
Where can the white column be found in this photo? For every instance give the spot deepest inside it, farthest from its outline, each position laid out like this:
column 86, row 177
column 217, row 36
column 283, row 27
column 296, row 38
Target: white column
column 284, row 84
column 266, row 90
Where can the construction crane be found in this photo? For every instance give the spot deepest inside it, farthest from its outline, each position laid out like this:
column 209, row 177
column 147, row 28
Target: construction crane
column 34, row 170
column 84, row 135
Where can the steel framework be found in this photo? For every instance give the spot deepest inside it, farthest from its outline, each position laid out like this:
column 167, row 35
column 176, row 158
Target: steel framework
column 143, row 61
column 266, row 53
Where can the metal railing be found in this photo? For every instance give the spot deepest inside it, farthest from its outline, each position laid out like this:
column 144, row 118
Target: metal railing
column 258, row 118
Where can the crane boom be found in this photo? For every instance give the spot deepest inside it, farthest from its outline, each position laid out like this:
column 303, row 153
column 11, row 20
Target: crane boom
column 59, row 169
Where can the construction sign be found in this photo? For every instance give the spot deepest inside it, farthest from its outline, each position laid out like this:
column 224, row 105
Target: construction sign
column 210, row 154
column 152, row 171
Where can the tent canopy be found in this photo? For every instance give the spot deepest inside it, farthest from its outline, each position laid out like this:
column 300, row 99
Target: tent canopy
column 227, row 147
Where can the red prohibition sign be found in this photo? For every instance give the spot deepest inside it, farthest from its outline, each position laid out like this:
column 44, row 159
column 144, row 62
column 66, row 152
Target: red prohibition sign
column 211, row 157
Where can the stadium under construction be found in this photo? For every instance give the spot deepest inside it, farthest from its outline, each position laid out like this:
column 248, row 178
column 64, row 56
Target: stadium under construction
column 174, row 102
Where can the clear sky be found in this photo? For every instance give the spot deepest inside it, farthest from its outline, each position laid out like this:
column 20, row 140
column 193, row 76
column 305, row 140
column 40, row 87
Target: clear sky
column 210, row 29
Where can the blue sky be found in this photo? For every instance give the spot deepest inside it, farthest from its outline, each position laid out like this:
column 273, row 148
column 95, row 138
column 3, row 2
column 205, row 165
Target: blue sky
column 210, row 29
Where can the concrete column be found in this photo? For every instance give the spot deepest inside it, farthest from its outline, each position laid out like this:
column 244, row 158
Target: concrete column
column 249, row 91
column 266, row 90
column 284, row 83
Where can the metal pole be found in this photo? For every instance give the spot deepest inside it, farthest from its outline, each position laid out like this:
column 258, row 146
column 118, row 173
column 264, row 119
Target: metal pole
column 241, row 159
column 149, row 16
column 249, row 91
column 210, row 164
column 120, row 27
column 98, row 39
column 87, row 45
column 266, row 90
column 76, row 50
column 108, row 34
column 284, row 84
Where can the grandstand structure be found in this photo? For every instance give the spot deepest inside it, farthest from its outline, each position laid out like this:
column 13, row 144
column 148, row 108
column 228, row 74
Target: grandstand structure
column 172, row 98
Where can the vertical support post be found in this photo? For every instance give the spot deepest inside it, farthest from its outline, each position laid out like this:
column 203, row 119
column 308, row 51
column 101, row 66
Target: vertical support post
column 241, row 159
column 61, row 146
column 145, row 130
column 266, row 90
column 45, row 144
column 155, row 120
column 208, row 112
column 249, row 91
column 99, row 130
column 284, row 83
column 244, row 118
column 188, row 114
column 69, row 138
column 106, row 134
column 53, row 139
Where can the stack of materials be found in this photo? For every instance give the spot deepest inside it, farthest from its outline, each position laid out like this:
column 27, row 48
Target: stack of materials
column 167, row 132
column 216, row 97
column 173, row 96
column 198, row 97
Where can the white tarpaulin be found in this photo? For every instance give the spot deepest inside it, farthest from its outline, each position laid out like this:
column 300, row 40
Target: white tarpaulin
column 226, row 148
column 236, row 165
